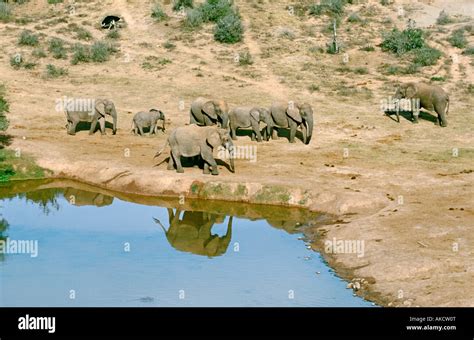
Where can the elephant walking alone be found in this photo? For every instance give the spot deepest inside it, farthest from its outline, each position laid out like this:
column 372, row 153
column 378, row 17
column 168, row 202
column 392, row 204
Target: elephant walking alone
column 148, row 119
column 431, row 98
column 293, row 115
column 94, row 115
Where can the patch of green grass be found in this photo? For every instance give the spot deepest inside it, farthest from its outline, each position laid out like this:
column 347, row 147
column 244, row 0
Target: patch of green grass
column 27, row 38
column 182, row 4
column 83, row 34
column 53, row 2
column 194, row 18
column 157, row 13
column 401, row 42
column 214, row 10
column 368, row 48
column 81, row 54
column 457, row 38
column 55, row 72
column 169, row 45
column 444, row 18
column 57, row 49
column 113, row 34
column 469, row 51
column 229, row 29
column 29, row 65
column 5, row 11
column 17, row 166
column 426, row 56
column 101, row 51
column 313, row 88
column 38, row 53
column 245, row 58
column 354, row 18
column 438, row 78
column 328, row 7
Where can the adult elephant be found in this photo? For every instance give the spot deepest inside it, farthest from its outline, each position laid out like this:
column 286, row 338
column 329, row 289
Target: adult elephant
column 193, row 233
column 248, row 116
column 431, row 98
column 193, row 140
column 209, row 112
column 81, row 197
column 293, row 115
column 101, row 108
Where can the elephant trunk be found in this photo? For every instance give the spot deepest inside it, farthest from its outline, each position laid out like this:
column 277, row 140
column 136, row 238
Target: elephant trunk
column 230, row 146
column 114, row 117
column 309, row 130
column 225, row 120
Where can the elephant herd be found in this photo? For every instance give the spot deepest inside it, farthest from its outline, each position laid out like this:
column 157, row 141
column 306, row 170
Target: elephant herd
column 213, row 125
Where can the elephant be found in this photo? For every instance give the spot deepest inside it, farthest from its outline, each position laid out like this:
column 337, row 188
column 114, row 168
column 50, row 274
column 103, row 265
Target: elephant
column 148, row 119
column 431, row 98
column 193, row 140
column 81, row 197
column 209, row 112
column 292, row 115
column 248, row 116
column 102, row 107
column 193, row 234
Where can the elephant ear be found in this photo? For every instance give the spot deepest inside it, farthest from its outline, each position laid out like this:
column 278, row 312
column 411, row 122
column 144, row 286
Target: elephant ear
column 100, row 107
column 255, row 114
column 214, row 139
column 411, row 91
column 209, row 109
column 294, row 113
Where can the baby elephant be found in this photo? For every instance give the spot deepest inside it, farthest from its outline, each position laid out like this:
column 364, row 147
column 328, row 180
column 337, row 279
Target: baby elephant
column 192, row 140
column 148, row 120
column 430, row 97
column 248, row 116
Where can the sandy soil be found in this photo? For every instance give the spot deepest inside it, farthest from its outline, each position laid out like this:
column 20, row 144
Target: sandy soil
column 399, row 188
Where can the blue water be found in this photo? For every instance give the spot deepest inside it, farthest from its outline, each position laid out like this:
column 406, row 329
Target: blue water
column 83, row 260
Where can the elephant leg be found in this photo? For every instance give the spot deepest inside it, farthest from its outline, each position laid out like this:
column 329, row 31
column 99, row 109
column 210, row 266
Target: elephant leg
column 102, row 125
column 206, row 170
column 93, row 124
column 72, row 127
column 233, row 134
column 253, row 136
column 274, row 133
column 209, row 159
column 415, row 115
column 141, row 130
column 256, row 131
column 292, row 131
column 441, row 111
column 192, row 120
column 170, row 163
column 177, row 160
column 304, row 130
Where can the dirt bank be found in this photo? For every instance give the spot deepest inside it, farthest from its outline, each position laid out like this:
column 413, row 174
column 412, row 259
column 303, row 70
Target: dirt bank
column 405, row 190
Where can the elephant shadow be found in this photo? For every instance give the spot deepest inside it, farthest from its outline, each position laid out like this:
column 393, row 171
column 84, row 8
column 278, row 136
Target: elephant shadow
column 285, row 133
column 191, row 232
column 79, row 197
column 191, row 162
column 86, row 126
column 408, row 115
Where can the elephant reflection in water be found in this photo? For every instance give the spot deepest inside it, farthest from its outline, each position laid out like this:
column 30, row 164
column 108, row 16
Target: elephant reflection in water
column 81, row 197
column 192, row 233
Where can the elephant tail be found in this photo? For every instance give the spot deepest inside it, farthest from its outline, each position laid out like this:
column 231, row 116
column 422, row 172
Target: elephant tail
column 161, row 150
column 447, row 106
column 132, row 127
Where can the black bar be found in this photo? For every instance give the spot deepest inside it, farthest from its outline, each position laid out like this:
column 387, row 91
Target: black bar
column 138, row 323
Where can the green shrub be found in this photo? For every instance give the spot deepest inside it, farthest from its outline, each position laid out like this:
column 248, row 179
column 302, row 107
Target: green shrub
column 55, row 72
column 361, row 70
column 426, row 56
column 16, row 61
column 28, row 39
column 438, row 78
column 354, row 18
column 101, row 51
column 229, row 29
column 38, row 53
column 245, row 58
column 169, row 45
column 56, row 47
column 313, row 88
column 3, row 108
column 385, row 2
column 81, row 54
column 194, row 18
column 179, row 4
column 29, row 65
column 157, row 13
column 457, row 38
column 83, row 34
column 214, row 10
column 444, row 18
column 368, row 48
column 400, row 42
column 5, row 11
column 329, row 7
column 469, row 50
column 53, row 2
column 114, row 34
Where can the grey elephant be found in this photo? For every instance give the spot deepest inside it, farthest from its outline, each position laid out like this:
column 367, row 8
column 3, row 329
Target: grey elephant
column 193, row 232
column 100, row 109
column 248, row 116
column 293, row 115
column 209, row 112
column 431, row 98
column 193, row 140
column 81, row 198
column 148, row 119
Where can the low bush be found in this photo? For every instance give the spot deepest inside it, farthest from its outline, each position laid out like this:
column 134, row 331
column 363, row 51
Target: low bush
column 27, row 38
column 157, row 13
column 55, row 72
column 458, row 39
column 229, row 29
column 56, row 48
column 181, row 4
column 401, row 42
